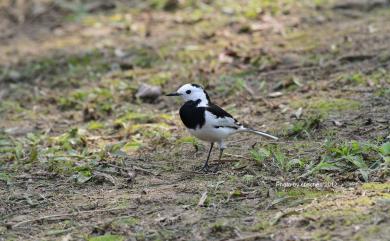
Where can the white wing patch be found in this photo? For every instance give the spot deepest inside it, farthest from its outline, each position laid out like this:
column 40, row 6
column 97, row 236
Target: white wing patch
column 228, row 122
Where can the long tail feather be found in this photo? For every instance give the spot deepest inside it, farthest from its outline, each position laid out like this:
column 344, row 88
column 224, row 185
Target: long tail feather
column 260, row 133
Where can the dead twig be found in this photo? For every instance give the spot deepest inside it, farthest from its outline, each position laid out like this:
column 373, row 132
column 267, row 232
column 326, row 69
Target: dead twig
column 254, row 97
column 280, row 215
column 355, row 57
column 63, row 215
column 202, row 199
column 144, row 171
column 134, row 168
column 238, row 156
column 293, row 70
column 266, row 102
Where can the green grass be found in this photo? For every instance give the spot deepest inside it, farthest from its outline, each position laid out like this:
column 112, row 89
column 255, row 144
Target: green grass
column 304, row 127
column 277, row 155
column 61, row 70
column 326, row 106
column 107, row 237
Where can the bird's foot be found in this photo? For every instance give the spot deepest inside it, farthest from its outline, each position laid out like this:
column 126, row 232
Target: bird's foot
column 210, row 168
column 205, row 168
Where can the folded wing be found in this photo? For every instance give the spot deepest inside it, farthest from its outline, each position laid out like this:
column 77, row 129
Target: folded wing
column 219, row 118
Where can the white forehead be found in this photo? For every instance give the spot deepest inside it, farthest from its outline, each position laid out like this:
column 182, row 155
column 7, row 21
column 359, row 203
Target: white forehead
column 189, row 87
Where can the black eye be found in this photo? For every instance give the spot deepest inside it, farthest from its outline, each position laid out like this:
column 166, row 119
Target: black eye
column 188, row 92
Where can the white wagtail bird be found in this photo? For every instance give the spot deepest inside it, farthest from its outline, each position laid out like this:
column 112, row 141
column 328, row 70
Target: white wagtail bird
column 207, row 121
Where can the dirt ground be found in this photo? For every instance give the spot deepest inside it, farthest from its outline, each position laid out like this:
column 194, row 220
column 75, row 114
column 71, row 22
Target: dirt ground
column 83, row 158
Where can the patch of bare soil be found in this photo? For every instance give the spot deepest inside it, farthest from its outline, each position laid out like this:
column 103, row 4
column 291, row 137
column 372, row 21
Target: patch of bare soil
column 82, row 158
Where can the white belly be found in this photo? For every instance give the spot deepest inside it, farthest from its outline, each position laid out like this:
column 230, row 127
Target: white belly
column 212, row 134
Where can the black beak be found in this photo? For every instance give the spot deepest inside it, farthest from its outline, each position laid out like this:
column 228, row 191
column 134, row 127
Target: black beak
column 173, row 94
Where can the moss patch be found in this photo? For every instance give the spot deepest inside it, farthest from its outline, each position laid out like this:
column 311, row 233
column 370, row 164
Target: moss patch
column 373, row 186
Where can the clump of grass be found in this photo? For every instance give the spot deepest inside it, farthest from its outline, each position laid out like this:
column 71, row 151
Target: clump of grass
column 73, row 101
column 73, row 139
column 61, row 155
column 144, row 57
column 160, row 78
column 189, row 140
column 358, row 78
column 231, row 84
column 281, row 160
column 354, row 79
column 134, row 117
column 260, row 155
column 303, row 127
column 274, row 154
column 9, row 151
column 248, row 179
column 221, row 230
column 125, row 222
column 99, row 104
column 10, row 107
column 362, row 157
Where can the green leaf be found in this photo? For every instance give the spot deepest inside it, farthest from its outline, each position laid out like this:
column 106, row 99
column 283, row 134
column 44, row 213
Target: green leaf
column 364, row 173
column 355, row 146
column 73, row 132
column 322, row 166
column 132, row 146
column 385, row 149
column 34, row 153
column 357, row 161
column 325, row 166
column 5, row 177
column 18, row 151
column 114, row 147
column 81, row 178
column 95, row 125
column 387, row 159
column 248, row 179
column 4, row 142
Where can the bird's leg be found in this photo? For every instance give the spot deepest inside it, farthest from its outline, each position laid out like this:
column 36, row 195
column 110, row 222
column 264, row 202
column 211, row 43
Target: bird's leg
column 205, row 168
column 219, row 159
column 220, row 154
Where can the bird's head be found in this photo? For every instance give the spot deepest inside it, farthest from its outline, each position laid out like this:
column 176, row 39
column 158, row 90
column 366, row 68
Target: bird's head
column 192, row 92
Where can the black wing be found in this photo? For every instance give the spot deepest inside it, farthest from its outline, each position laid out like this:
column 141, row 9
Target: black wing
column 218, row 111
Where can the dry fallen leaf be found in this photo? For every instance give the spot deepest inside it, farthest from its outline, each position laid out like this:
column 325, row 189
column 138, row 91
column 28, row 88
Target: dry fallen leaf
column 104, row 177
column 67, row 237
column 283, row 108
column 224, row 58
column 298, row 113
column 337, row 123
column 275, row 94
column 227, row 56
